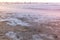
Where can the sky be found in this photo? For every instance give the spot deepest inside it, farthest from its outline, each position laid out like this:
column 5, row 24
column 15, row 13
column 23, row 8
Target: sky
column 29, row 0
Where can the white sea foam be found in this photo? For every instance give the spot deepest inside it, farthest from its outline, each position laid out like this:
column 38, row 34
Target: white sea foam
column 23, row 19
column 12, row 35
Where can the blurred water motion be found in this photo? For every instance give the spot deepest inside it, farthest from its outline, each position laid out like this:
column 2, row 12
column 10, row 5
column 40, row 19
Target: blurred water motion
column 37, row 21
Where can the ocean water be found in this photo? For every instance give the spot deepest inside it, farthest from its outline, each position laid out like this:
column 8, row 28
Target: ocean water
column 45, row 17
column 32, row 12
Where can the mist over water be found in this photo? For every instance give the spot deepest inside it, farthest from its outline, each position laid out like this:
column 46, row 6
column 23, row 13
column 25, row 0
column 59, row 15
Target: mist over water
column 44, row 9
column 23, row 14
column 45, row 17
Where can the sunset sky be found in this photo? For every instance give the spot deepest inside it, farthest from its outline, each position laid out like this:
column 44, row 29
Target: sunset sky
column 29, row 0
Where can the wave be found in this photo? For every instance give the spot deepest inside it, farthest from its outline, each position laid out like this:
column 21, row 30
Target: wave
column 23, row 19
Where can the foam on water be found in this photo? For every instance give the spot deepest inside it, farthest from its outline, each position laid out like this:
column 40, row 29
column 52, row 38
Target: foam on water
column 23, row 19
column 11, row 13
